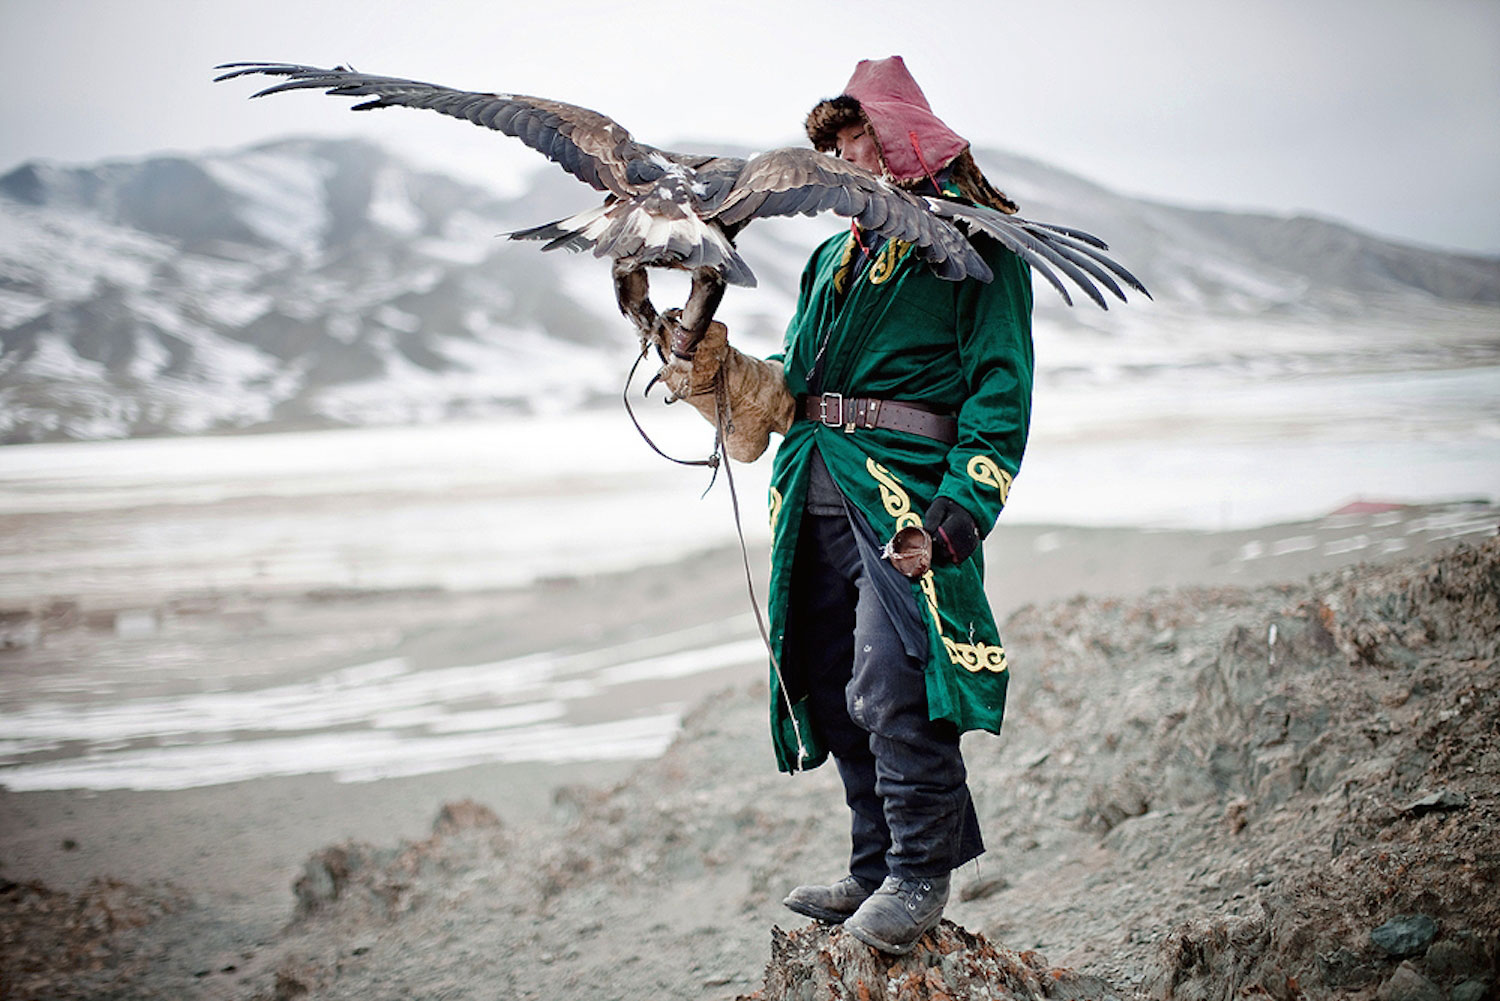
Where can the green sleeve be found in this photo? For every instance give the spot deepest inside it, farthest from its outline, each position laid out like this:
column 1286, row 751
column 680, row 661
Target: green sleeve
column 995, row 352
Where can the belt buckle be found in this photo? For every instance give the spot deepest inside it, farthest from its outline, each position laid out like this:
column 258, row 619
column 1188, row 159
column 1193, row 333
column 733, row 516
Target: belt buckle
column 823, row 410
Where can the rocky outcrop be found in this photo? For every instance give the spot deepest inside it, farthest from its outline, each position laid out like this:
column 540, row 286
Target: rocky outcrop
column 1359, row 737
column 948, row 964
column 1202, row 795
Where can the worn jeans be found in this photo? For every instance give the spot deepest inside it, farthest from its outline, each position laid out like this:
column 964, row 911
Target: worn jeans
column 903, row 774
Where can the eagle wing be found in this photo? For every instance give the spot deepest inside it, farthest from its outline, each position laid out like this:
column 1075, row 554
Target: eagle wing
column 600, row 152
column 790, row 181
column 592, row 147
column 1047, row 248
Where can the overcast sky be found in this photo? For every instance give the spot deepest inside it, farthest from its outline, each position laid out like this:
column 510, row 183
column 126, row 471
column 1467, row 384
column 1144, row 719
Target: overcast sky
column 1381, row 113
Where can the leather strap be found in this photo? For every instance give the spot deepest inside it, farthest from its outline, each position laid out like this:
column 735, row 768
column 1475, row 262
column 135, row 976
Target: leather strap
column 850, row 414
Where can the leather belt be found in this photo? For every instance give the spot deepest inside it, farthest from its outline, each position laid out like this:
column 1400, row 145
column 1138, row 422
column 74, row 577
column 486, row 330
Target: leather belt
column 852, row 414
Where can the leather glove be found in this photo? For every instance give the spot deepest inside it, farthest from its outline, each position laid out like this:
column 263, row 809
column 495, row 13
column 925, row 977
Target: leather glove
column 755, row 390
column 954, row 533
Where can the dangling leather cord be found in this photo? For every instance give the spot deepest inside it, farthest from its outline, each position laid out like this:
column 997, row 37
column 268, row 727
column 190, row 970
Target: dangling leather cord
column 723, row 425
column 712, row 462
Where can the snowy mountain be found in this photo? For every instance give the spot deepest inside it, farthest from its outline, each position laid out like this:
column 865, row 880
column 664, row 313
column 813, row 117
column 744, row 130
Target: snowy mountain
column 1248, row 263
column 311, row 282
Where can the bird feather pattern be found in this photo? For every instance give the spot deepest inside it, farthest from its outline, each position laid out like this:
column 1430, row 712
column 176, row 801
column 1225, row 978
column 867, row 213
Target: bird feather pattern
column 666, row 209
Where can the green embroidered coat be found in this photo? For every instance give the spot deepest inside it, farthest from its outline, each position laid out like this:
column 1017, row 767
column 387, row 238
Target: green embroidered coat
column 901, row 333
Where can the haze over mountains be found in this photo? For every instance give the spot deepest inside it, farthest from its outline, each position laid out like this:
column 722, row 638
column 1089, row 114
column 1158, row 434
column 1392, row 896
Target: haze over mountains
column 318, row 282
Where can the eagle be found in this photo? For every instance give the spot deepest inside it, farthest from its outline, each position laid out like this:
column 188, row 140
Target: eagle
column 674, row 210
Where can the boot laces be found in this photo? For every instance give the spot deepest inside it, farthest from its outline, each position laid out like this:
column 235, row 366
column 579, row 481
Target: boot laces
column 914, row 890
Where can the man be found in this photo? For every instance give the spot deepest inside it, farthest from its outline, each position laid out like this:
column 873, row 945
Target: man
column 905, row 401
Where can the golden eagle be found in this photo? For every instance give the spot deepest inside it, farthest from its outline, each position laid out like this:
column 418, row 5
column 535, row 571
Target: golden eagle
column 676, row 210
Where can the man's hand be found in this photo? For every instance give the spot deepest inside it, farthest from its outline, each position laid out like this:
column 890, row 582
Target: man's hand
column 955, row 536
column 755, row 391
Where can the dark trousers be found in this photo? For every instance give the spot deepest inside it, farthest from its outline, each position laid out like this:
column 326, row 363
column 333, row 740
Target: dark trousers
column 904, row 777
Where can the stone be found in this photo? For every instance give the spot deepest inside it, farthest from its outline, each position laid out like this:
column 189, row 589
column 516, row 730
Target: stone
column 1456, row 956
column 1405, row 935
column 1236, row 815
column 463, row 815
column 986, row 886
column 1444, row 799
column 949, row 963
column 1406, row 984
column 1470, row 990
column 1345, row 968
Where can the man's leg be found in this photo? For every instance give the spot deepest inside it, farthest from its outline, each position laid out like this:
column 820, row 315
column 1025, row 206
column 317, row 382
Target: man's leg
column 820, row 631
column 920, row 781
column 920, row 775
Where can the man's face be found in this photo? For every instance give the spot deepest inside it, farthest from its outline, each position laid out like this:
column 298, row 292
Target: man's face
column 855, row 144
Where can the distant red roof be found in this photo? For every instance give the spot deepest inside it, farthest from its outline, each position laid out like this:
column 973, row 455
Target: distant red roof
column 1370, row 507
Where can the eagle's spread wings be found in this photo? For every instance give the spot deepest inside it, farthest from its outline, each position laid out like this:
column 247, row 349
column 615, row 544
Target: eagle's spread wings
column 592, row 147
column 673, row 210
column 790, row 181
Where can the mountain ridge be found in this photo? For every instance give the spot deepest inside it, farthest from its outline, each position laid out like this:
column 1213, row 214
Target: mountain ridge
column 317, row 282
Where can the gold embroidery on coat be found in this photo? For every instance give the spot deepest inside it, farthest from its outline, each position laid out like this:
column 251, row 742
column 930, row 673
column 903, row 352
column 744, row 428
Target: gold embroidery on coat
column 885, row 263
column 897, row 503
column 894, row 499
column 846, row 265
column 983, row 469
column 929, row 589
column 774, row 502
column 976, row 656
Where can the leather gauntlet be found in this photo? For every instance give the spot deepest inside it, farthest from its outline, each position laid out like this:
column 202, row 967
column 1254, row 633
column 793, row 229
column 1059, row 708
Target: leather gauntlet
column 754, row 390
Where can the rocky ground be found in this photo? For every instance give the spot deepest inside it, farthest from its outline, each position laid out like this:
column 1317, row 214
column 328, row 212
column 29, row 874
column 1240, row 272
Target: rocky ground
column 1287, row 791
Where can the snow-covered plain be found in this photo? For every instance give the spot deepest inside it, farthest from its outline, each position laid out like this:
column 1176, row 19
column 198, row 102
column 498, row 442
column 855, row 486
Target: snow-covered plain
column 496, row 503
column 502, row 502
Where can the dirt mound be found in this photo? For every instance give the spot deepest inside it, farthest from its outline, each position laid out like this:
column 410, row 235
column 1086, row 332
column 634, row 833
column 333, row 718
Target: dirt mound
column 1357, row 741
column 87, row 944
column 947, row 964
column 1217, row 792
column 359, row 880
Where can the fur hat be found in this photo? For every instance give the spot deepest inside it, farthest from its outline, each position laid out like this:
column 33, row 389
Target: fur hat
column 830, row 117
column 912, row 142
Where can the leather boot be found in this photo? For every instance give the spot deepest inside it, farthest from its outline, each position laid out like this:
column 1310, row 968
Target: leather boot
column 828, row 903
column 900, row 912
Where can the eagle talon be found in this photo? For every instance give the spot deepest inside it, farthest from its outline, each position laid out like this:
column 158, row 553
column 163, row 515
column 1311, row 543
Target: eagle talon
column 677, row 338
column 646, row 393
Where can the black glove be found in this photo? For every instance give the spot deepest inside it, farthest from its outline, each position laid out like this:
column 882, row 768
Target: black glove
column 955, row 536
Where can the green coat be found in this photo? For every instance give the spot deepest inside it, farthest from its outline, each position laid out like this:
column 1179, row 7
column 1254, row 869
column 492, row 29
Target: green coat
column 902, row 333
